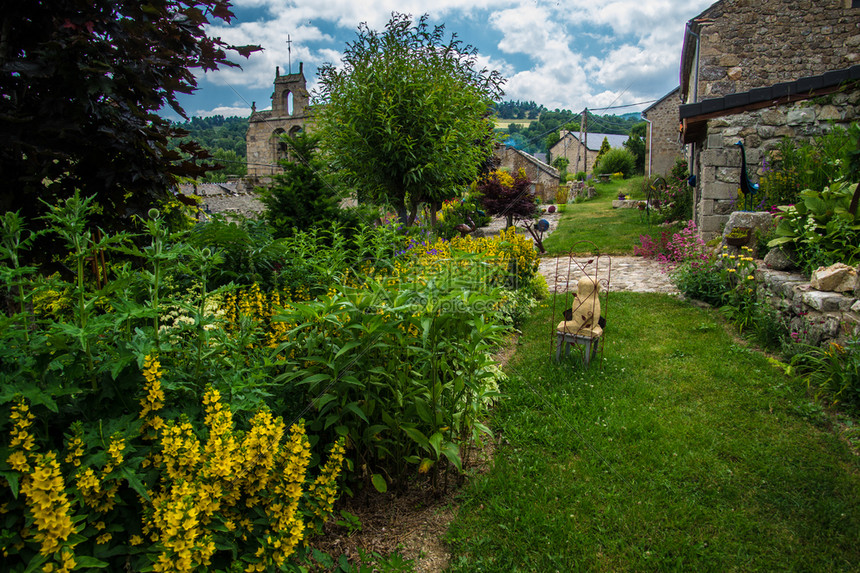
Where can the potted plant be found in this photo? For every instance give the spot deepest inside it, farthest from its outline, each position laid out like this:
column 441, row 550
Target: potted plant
column 738, row 237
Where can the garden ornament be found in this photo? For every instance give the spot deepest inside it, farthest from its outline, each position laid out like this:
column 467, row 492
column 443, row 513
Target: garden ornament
column 585, row 311
column 748, row 188
column 537, row 232
column 582, row 324
column 465, row 229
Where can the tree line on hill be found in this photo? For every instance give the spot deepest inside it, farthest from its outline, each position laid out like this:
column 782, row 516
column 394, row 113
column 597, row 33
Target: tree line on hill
column 224, row 137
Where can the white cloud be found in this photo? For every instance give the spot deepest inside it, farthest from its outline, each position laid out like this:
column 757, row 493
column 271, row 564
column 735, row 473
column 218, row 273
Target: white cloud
column 226, row 111
column 567, row 53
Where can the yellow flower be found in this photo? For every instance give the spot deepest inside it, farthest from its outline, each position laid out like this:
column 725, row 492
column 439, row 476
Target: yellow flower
column 18, row 461
column 153, row 401
column 48, row 503
column 75, row 447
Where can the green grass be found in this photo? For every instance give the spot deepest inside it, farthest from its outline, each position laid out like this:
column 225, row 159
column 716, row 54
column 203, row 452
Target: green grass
column 615, row 231
column 686, row 452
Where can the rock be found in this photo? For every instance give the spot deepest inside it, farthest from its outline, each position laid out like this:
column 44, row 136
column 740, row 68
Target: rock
column 773, row 117
column 778, row 259
column 802, row 115
column 760, row 222
column 835, row 278
column 822, row 301
column 830, row 113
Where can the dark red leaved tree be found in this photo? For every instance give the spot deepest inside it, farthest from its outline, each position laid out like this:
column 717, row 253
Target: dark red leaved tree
column 80, row 85
column 508, row 196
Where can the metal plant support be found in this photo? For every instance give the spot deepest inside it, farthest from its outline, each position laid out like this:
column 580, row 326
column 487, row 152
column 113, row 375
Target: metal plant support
column 568, row 270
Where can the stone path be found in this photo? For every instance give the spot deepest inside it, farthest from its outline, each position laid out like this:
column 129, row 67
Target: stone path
column 628, row 274
column 625, row 274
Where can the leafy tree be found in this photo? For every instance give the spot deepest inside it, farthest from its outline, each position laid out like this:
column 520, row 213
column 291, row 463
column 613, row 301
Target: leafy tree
column 81, row 85
column 517, row 109
column 636, row 145
column 229, row 164
column 215, row 132
column 406, row 118
column 503, row 194
column 561, row 164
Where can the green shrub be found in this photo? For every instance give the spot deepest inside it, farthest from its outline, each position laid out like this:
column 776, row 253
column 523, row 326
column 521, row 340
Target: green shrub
column 616, row 161
column 795, row 166
column 701, row 281
column 820, row 227
column 139, row 431
column 460, row 211
column 833, row 372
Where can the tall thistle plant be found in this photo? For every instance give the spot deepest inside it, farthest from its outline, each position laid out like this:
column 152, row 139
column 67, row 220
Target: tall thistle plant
column 68, row 219
column 12, row 242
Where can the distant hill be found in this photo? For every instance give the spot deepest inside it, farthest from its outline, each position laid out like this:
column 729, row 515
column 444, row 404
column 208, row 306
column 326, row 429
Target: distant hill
column 224, row 138
column 533, row 128
column 218, row 132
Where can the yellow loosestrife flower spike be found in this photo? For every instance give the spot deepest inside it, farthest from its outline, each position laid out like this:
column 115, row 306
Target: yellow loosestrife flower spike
column 48, row 503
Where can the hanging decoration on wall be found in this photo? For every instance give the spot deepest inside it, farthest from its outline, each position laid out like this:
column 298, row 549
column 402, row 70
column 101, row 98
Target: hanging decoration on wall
column 748, row 188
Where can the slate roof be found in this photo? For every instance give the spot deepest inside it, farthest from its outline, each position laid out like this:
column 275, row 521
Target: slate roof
column 595, row 140
column 694, row 116
column 209, row 189
column 802, row 87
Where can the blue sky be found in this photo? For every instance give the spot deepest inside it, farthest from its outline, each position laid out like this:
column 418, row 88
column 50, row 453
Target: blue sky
column 567, row 54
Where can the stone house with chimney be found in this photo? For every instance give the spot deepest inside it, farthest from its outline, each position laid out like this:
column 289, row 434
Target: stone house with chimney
column 289, row 115
column 757, row 71
column 662, row 139
column 581, row 154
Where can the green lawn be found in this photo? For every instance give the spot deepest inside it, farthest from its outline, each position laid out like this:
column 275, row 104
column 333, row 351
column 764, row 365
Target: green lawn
column 686, row 452
column 616, row 231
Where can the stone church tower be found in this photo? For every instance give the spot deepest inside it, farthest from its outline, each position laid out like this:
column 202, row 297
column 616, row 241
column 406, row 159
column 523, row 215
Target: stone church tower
column 290, row 114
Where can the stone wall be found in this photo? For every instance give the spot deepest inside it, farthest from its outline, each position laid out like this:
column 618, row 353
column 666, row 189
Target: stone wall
column 761, row 131
column 571, row 148
column 758, row 43
column 663, row 144
column 814, row 317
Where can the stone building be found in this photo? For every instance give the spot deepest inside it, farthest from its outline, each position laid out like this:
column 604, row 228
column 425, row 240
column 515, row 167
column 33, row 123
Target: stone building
column 545, row 179
column 571, row 147
column 756, row 71
column 662, row 139
column 228, row 198
column 289, row 115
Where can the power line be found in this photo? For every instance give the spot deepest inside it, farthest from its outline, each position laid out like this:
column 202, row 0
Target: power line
column 622, row 106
